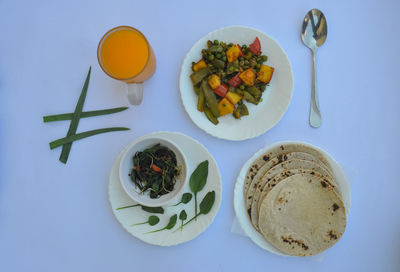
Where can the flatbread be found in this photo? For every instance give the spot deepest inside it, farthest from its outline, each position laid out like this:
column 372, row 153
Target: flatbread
column 274, row 152
column 278, row 170
column 278, row 178
column 301, row 217
column 266, row 167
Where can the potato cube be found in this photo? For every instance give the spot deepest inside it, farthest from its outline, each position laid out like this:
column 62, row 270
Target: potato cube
column 233, row 53
column 265, row 73
column 225, row 107
column 199, row 65
column 214, row 81
column 248, row 76
column 234, row 98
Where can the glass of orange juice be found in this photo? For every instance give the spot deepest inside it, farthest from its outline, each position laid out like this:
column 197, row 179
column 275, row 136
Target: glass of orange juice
column 125, row 54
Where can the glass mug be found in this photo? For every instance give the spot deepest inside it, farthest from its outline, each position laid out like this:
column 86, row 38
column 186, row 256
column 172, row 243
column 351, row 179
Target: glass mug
column 125, row 54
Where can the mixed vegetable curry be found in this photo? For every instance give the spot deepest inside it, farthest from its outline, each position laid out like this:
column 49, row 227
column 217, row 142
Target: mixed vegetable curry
column 228, row 75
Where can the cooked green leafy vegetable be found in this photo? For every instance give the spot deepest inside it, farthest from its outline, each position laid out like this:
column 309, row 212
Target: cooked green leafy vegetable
column 155, row 170
column 152, row 221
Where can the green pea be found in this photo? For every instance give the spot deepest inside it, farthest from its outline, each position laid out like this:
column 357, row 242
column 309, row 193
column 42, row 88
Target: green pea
column 218, row 56
column 258, row 66
column 262, row 87
column 216, row 42
column 224, row 58
column 210, row 57
column 241, row 59
column 246, row 62
column 242, row 87
column 241, row 63
column 264, row 58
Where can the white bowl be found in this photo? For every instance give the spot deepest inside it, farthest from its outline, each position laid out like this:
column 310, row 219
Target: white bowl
column 126, row 165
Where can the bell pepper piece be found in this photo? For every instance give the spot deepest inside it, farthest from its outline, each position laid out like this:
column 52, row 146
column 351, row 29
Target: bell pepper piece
column 221, row 90
column 235, row 81
column 255, row 47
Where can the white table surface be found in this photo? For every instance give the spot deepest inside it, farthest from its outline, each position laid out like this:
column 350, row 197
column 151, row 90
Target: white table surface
column 56, row 217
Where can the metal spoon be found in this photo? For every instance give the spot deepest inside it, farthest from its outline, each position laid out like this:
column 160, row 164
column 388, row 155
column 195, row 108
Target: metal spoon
column 313, row 35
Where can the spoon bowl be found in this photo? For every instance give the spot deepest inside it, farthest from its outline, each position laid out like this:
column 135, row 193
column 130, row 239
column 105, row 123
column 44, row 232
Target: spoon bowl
column 313, row 34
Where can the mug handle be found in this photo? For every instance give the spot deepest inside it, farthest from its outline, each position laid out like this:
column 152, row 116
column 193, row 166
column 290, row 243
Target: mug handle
column 135, row 93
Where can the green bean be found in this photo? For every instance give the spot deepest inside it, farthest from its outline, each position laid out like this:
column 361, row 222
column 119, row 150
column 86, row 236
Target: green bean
column 198, row 76
column 210, row 116
column 200, row 101
column 210, row 98
column 218, row 63
column 249, row 98
column 254, row 91
column 196, row 90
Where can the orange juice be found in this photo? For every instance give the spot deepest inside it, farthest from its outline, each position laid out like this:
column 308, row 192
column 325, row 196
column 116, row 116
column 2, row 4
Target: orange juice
column 125, row 54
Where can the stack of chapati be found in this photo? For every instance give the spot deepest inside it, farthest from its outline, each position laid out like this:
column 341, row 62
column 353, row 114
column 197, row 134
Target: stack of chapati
column 293, row 200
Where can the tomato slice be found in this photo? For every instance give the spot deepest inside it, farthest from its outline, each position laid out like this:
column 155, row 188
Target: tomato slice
column 255, row 47
column 221, row 90
column 235, row 81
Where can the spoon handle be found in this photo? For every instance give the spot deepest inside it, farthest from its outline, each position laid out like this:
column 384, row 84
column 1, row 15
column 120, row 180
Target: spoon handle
column 315, row 114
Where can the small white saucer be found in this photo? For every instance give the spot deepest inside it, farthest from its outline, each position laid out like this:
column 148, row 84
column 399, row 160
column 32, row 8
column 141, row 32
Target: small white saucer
column 195, row 153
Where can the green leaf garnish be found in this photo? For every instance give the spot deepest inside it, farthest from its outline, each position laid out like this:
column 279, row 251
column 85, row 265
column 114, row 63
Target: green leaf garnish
column 182, row 217
column 145, row 208
column 170, row 225
column 205, row 207
column 75, row 120
column 153, row 220
column 75, row 137
column 186, row 197
column 85, row 114
column 207, row 203
column 198, row 180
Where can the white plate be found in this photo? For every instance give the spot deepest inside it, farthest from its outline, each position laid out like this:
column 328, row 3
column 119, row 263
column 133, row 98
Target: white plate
column 240, row 207
column 276, row 98
column 195, row 153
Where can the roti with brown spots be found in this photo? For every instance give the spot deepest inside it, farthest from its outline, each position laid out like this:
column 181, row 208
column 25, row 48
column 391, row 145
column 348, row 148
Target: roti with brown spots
column 277, row 170
column 276, row 151
column 302, row 216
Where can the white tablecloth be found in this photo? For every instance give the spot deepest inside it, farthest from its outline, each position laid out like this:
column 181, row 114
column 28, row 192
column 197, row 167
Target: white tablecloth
column 56, row 217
